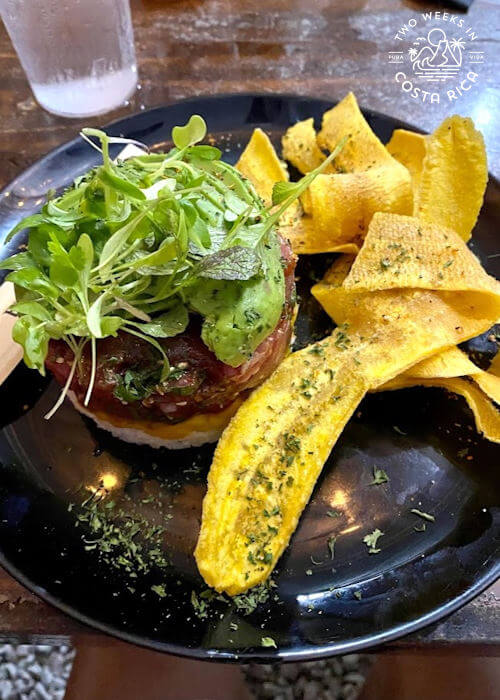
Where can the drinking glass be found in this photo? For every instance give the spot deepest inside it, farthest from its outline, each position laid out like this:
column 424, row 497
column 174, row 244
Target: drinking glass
column 78, row 55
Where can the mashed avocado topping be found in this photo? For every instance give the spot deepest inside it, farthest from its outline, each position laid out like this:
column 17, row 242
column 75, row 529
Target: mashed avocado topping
column 138, row 245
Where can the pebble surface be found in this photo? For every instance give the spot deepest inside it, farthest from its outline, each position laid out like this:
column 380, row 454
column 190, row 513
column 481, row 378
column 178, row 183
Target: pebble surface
column 339, row 678
column 34, row 671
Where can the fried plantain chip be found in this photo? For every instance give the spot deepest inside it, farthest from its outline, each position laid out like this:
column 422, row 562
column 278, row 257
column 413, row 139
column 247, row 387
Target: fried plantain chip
column 454, row 176
column 261, row 165
column 452, row 362
column 486, row 416
column 408, row 148
column 363, row 149
column 367, row 180
column 342, row 206
column 448, row 370
column 302, row 234
column 300, row 147
column 494, row 368
column 490, row 384
column 404, row 252
column 268, row 459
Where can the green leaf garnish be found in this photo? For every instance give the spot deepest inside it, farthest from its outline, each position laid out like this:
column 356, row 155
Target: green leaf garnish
column 282, row 191
column 236, row 263
column 371, row 541
column 136, row 246
column 379, row 477
column 421, row 514
column 137, row 384
column 268, row 642
column 193, row 132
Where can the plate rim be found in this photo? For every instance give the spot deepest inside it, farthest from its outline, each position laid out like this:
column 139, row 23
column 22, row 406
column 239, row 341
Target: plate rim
column 369, row 641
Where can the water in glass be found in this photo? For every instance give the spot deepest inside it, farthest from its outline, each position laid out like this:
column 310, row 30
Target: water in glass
column 78, row 55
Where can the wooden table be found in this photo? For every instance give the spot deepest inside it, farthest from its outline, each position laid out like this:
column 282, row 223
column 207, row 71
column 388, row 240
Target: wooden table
column 310, row 47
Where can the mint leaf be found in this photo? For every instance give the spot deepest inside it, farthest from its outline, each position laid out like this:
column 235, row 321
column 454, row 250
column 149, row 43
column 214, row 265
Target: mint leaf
column 236, row 263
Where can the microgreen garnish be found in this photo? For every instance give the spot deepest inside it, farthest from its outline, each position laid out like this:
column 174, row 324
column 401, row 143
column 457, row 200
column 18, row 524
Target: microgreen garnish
column 135, row 246
column 331, row 545
column 287, row 192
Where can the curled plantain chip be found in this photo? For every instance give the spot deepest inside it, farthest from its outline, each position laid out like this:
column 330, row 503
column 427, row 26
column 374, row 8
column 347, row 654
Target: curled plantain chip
column 363, row 149
column 486, row 416
column 342, row 206
column 405, row 252
column 268, row 459
column 454, row 176
column 368, row 179
column 261, row 165
column 259, row 162
column 303, row 235
column 364, row 178
column 301, row 149
column 452, row 362
column 408, row 148
column 450, row 370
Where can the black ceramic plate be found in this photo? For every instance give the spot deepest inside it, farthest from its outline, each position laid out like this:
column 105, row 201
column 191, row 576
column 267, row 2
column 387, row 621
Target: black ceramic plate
column 424, row 439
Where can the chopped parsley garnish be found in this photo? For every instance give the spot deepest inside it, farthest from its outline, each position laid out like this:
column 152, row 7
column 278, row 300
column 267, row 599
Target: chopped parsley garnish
column 342, row 341
column 292, row 443
column 333, row 513
column 317, row 350
column 159, row 590
column 268, row 642
column 331, row 545
column 200, row 606
column 379, row 477
column 121, row 537
column 371, row 541
column 421, row 514
column 247, row 602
